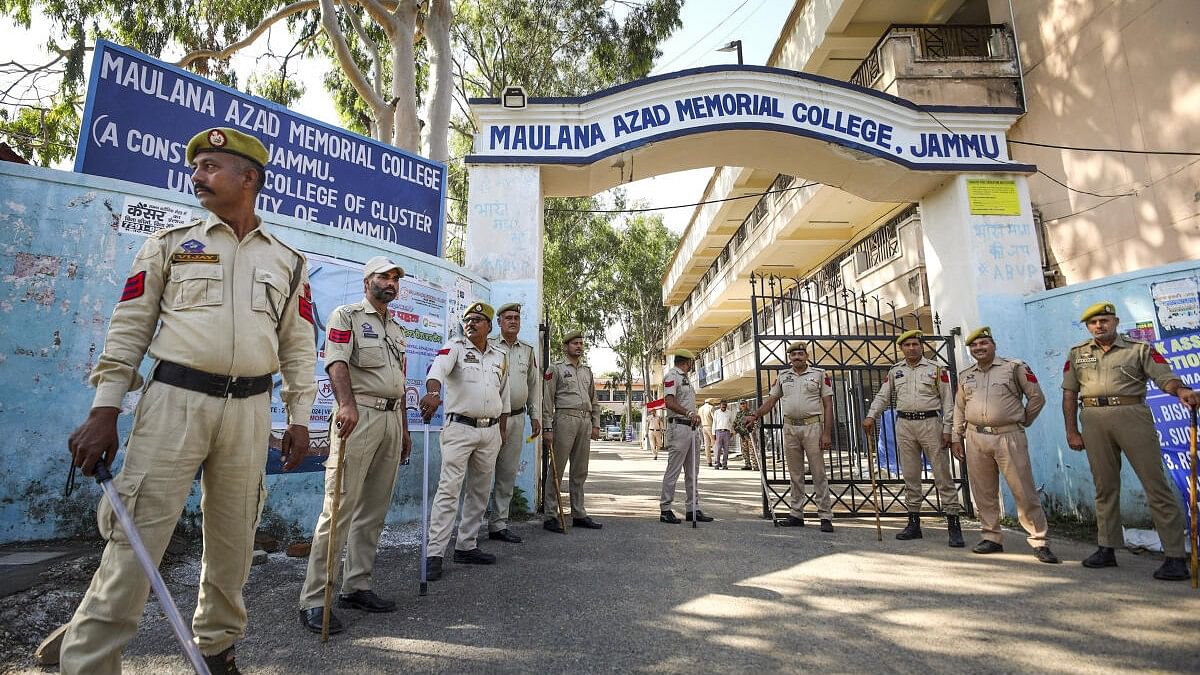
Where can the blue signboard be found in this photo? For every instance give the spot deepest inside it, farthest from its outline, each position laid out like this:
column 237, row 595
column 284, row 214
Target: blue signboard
column 1171, row 418
column 141, row 113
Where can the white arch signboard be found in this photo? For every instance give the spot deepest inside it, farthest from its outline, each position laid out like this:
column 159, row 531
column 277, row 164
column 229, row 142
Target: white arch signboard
column 953, row 160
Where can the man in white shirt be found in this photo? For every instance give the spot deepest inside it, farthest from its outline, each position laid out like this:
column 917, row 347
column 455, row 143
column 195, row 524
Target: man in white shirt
column 723, row 432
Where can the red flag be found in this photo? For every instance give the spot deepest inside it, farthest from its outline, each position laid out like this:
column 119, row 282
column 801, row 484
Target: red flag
column 656, row 404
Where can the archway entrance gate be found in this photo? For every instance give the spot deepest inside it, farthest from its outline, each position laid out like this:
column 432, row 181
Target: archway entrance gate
column 980, row 246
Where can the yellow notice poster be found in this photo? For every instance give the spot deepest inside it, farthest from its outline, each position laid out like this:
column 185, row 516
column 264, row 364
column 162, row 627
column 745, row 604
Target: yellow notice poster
column 993, row 198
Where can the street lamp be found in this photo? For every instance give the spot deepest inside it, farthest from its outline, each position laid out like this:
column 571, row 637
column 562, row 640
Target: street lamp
column 735, row 46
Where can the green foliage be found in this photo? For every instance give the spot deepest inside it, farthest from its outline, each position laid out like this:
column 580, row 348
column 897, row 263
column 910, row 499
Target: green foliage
column 275, row 86
column 577, row 273
column 43, row 135
column 518, row 508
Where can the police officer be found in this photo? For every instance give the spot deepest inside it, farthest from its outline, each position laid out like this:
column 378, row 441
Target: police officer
column 474, row 373
column 220, row 304
column 706, row 425
column 807, row 395
column 525, row 396
column 922, row 391
column 1110, row 373
column 572, row 414
column 654, row 424
column 682, row 445
column 996, row 399
column 365, row 360
column 743, row 425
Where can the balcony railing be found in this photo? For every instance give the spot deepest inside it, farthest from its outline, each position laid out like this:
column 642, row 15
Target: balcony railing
column 945, row 42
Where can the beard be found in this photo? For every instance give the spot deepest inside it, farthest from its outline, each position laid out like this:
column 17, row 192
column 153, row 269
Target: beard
column 382, row 295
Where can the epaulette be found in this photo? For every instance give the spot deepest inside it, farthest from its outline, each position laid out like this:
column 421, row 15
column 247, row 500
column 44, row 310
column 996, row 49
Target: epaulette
column 161, row 234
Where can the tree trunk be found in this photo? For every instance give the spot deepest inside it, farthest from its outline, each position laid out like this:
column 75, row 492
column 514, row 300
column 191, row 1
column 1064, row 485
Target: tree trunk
column 407, row 134
column 441, row 66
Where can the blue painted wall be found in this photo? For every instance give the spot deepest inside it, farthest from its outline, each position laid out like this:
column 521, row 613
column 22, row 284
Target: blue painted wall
column 1050, row 328
column 62, row 266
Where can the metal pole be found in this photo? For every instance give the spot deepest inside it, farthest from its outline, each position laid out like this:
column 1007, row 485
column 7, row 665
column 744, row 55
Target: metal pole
column 562, row 520
column 1195, row 512
column 875, row 500
column 695, row 481
column 331, row 560
column 425, row 514
column 182, row 632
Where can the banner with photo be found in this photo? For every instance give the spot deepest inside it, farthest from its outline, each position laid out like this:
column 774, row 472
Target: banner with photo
column 419, row 307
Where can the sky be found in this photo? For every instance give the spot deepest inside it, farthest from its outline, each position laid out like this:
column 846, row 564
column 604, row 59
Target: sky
column 707, row 25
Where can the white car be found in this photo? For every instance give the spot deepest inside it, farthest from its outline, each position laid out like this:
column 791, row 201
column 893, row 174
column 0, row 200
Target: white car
column 611, row 433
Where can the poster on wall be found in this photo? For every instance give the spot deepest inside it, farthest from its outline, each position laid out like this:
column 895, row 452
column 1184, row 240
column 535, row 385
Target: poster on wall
column 1176, row 306
column 140, row 114
column 419, row 307
column 1172, row 419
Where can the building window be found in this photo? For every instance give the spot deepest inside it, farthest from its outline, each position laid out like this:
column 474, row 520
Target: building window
column 603, row 395
column 639, row 396
column 618, row 396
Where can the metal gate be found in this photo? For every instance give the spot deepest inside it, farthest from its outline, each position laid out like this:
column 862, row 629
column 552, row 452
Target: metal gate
column 851, row 337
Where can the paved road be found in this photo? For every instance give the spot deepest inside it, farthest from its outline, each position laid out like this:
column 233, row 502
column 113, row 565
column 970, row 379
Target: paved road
column 733, row 596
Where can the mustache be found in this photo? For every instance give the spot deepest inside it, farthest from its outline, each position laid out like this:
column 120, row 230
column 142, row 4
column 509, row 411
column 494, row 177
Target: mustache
column 197, row 187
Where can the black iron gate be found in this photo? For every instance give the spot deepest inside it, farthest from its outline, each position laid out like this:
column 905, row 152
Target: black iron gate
column 851, row 337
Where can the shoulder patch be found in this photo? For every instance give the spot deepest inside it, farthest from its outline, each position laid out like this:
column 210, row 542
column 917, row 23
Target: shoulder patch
column 945, row 374
column 669, row 383
column 339, row 336
column 135, row 286
column 1066, row 365
column 443, row 351
column 828, row 381
column 1158, row 358
column 305, row 307
column 549, row 376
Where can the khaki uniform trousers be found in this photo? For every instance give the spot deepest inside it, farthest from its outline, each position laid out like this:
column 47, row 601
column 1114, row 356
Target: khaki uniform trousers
column 681, row 456
column 508, row 462
column 709, row 441
column 913, row 436
column 799, row 442
column 175, row 431
column 988, row 456
column 656, row 442
column 468, row 456
column 369, row 470
column 572, row 443
column 1106, row 433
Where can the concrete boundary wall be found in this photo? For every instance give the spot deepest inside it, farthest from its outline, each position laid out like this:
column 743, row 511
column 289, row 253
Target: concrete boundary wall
column 62, row 266
column 1051, row 327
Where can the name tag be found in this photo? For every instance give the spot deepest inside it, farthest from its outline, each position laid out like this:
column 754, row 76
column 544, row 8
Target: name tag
column 195, row 257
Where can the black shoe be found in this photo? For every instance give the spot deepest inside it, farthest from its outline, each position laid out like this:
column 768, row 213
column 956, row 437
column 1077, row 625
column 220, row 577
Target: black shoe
column 504, row 535
column 912, row 530
column 791, row 521
column 669, row 516
column 553, row 525
column 223, row 663
column 367, row 601
column 311, row 618
column 433, row 567
column 954, row 528
column 1044, row 554
column 586, row 523
column 1103, row 557
column 988, row 546
column 826, row 525
column 1172, row 569
column 700, row 517
column 474, row 557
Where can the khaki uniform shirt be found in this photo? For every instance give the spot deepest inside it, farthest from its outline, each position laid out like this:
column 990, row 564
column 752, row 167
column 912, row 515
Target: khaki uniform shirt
column 1007, row 392
column 679, row 384
column 706, row 412
column 569, row 388
column 655, row 421
column 474, row 383
column 524, row 378
column 1122, row 371
column 198, row 297
column 919, row 388
column 802, row 393
column 373, row 347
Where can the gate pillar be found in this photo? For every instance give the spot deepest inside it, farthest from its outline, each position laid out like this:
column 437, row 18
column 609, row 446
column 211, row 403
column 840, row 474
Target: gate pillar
column 504, row 245
column 981, row 250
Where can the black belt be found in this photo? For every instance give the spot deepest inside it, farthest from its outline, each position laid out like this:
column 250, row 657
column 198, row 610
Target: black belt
column 923, row 415
column 681, row 420
column 221, row 386
column 482, row 422
column 518, row 411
